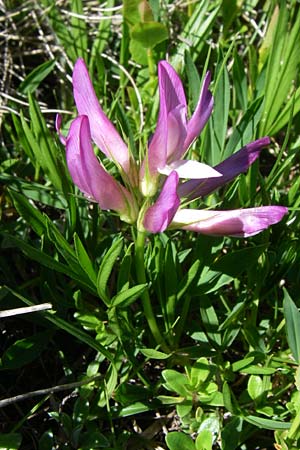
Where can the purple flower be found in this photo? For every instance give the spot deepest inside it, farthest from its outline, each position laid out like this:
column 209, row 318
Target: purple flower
column 91, row 178
column 174, row 132
column 238, row 223
column 164, row 164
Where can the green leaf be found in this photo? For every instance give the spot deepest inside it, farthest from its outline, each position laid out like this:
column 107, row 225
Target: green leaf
column 84, row 260
column 238, row 366
column 125, row 298
column 154, row 354
column 179, row 441
column 240, row 81
column 106, row 267
column 135, row 408
column 135, row 11
column 267, row 424
column 92, row 439
column 124, row 272
column 199, row 372
column 245, row 131
column 36, row 76
column 292, row 323
column 24, row 351
column 194, row 82
column 227, row 397
column 149, row 34
column 46, row 441
column 44, row 147
column 255, row 387
column 285, row 56
column 236, row 262
column 217, row 125
column 79, row 29
column 175, row 381
column 10, row 441
column 29, row 213
column 230, row 434
column 204, row 440
column 188, row 279
column 210, row 321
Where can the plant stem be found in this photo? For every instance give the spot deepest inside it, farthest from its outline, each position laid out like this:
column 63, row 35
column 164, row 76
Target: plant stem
column 146, row 302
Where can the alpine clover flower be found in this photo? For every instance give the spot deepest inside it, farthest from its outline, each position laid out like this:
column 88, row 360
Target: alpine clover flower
column 152, row 190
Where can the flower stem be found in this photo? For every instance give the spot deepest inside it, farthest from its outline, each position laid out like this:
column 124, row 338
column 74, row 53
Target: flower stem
column 146, row 302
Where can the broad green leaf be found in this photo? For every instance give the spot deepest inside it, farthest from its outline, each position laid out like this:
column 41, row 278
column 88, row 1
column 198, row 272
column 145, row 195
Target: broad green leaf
column 149, row 34
column 106, row 268
column 227, row 397
column 36, row 76
column 258, row 370
column 46, row 441
column 10, row 441
column 169, row 400
column 24, row 351
column 238, row 366
column 154, row 354
column 135, row 11
column 199, row 372
column 179, row 441
column 255, row 387
column 92, row 440
column 175, row 381
column 204, row 440
column 230, row 434
column 135, row 408
column 125, row 298
column 292, row 323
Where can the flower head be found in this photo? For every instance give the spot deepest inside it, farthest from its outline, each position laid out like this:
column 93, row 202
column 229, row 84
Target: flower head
column 165, row 176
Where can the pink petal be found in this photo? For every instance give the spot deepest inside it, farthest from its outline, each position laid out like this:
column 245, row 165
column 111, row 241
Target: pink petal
column 170, row 131
column 103, row 131
column 171, row 91
column 201, row 114
column 237, row 223
column 176, row 129
column 88, row 174
column 159, row 216
column 234, row 165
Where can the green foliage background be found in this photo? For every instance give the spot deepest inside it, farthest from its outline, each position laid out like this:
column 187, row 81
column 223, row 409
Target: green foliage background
column 87, row 374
